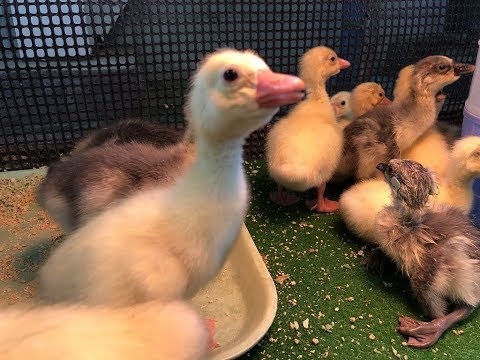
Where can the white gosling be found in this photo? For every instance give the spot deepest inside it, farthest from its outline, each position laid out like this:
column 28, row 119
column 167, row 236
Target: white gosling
column 168, row 242
column 149, row 331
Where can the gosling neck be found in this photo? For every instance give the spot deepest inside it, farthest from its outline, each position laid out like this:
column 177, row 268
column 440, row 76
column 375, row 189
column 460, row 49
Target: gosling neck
column 424, row 100
column 318, row 91
column 212, row 152
column 409, row 216
column 217, row 171
column 416, row 114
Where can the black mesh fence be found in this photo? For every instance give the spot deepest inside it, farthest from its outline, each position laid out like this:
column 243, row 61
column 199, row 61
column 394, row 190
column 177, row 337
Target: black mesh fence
column 69, row 66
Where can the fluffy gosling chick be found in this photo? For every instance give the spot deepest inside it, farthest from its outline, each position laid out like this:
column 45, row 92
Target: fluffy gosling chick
column 303, row 148
column 462, row 168
column 366, row 96
column 166, row 243
column 149, row 331
column 342, row 107
column 387, row 131
column 86, row 183
column 360, row 204
column 437, row 249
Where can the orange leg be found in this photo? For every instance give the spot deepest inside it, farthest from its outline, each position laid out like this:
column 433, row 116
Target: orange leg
column 212, row 344
column 322, row 204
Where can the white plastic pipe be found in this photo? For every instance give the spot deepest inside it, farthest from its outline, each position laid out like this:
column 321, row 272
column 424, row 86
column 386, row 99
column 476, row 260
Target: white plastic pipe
column 472, row 105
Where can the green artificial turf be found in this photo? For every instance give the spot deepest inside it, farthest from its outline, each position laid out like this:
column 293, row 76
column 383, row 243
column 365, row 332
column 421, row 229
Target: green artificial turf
column 328, row 286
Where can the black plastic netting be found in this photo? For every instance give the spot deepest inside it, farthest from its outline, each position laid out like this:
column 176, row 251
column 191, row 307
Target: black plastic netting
column 69, row 66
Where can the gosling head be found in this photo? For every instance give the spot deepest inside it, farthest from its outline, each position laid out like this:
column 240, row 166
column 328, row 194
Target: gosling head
column 410, row 182
column 366, row 96
column 234, row 93
column 341, row 104
column 433, row 73
column 319, row 64
column 403, row 87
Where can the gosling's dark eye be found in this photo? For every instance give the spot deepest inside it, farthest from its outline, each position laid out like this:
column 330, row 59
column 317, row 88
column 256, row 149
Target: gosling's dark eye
column 342, row 103
column 230, row 75
column 388, row 171
column 333, row 58
column 380, row 94
column 443, row 68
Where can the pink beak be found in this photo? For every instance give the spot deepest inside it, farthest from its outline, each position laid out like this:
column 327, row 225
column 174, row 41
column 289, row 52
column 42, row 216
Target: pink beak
column 343, row 63
column 276, row 89
column 386, row 101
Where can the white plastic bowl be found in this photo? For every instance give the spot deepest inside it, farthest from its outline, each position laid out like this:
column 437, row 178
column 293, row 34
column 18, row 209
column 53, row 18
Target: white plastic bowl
column 242, row 300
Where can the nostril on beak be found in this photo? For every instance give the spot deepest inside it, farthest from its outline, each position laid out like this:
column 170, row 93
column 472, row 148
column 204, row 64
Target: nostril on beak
column 382, row 167
column 461, row 69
